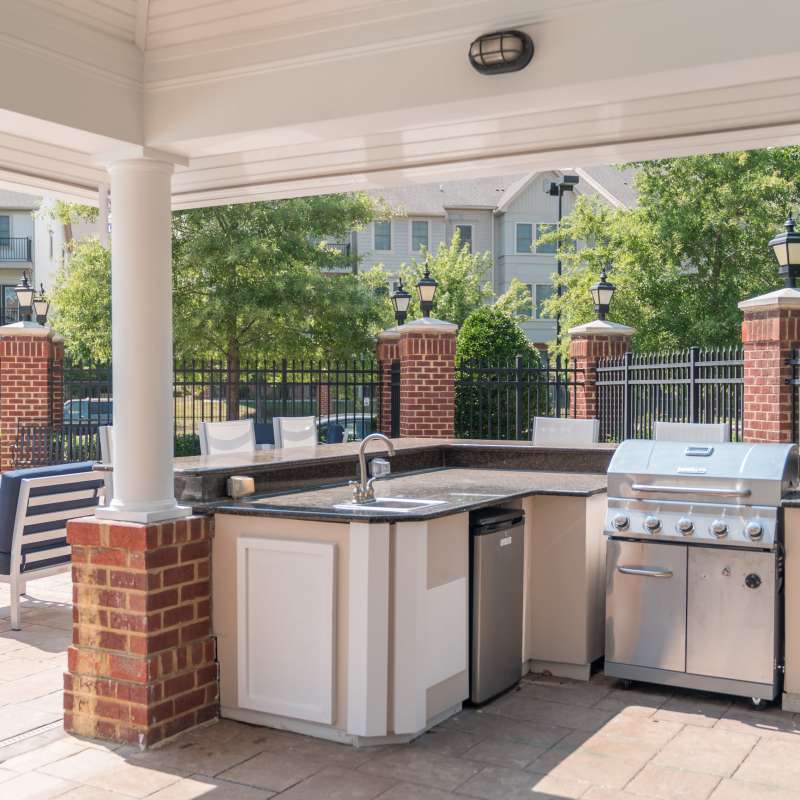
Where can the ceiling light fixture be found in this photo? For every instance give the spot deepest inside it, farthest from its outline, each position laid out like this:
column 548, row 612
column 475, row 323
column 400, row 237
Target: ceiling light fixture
column 501, row 51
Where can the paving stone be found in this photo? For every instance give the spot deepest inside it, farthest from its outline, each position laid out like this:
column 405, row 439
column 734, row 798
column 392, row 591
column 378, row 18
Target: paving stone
column 201, row 787
column 417, row 765
column 504, row 753
column 273, row 771
column 767, row 723
column 55, row 751
column 92, row 793
column 668, row 783
column 702, row 750
column 335, row 783
column 693, row 710
column 84, row 766
column 34, row 786
column 641, row 702
column 413, row 791
column 592, row 768
column 134, row 780
column 501, row 783
column 549, row 713
column 741, row 790
column 569, row 692
column 484, row 725
column 447, row 741
column 774, row 762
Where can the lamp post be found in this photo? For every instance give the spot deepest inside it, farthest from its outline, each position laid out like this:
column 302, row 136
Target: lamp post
column 602, row 292
column 41, row 306
column 25, row 293
column 426, row 287
column 567, row 184
column 400, row 300
column 786, row 246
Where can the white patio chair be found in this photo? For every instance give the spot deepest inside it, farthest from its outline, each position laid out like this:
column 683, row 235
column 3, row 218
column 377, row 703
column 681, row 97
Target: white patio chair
column 221, row 438
column 105, row 433
column 556, row 432
column 692, row 431
column 295, row 431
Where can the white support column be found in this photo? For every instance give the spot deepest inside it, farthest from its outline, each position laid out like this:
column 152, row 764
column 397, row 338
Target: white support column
column 102, row 219
column 141, row 279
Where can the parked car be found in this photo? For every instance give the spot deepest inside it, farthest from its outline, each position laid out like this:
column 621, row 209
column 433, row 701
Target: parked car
column 89, row 411
column 355, row 428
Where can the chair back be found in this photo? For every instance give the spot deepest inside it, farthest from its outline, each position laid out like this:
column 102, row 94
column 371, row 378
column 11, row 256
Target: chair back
column 220, row 438
column 295, row 431
column 557, row 432
column 692, row 431
column 106, row 435
column 35, row 506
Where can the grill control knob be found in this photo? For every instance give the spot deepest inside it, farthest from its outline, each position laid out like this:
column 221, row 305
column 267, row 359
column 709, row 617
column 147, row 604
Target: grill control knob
column 685, row 526
column 652, row 524
column 719, row 528
column 620, row 522
column 754, row 530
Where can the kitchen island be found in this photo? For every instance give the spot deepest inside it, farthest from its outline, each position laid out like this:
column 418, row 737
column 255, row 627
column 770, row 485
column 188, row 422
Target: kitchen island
column 352, row 623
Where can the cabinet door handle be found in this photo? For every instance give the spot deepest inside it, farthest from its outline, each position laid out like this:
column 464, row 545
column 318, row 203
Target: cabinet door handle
column 645, row 572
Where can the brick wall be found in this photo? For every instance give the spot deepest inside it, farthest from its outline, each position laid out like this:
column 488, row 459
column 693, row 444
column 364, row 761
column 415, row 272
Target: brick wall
column 142, row 664
column 26, row 356
column 769, row 336
column 427, row 380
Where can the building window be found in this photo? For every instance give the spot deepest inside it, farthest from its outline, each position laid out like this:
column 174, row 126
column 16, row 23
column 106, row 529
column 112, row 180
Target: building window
column 541, row 229
column 5, row 230
column 383, row 235
column 10, row 307
column 542, row 291
column 524, row 237
column 527, row 311
column 419, row 235
column 466, row 235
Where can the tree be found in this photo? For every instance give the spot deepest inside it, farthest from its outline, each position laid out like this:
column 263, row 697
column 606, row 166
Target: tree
column 695, row 246
column 81, row 302
column 489, row 333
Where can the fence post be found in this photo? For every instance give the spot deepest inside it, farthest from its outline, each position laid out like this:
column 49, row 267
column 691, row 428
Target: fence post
column 28, row 353
column 519, row 377
column 589, row 344
column 694, row 386
column 627, row 406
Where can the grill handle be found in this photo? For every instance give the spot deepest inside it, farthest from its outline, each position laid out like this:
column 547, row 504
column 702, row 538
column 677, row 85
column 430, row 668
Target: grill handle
column 646, row 487
column 646, row 573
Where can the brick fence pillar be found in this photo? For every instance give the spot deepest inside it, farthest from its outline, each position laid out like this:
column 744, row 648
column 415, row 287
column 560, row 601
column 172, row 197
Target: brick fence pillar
column 427, row 351
column 770, row 333
column 323, row 399
column 28, row 353
column 589, row 344
column 142, row 665
column 387, row 352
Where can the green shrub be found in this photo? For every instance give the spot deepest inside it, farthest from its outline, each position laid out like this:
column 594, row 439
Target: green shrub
column 490, row 334
column 187, row 444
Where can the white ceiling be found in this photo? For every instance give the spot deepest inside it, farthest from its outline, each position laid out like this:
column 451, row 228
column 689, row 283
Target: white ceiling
column 268, row 98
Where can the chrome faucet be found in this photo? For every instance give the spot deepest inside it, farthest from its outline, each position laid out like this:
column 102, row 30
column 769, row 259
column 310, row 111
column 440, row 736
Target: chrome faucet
column 363, row 489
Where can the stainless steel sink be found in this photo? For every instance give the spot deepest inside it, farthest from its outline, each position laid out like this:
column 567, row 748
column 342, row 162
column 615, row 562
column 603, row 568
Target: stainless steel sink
column 397, row 505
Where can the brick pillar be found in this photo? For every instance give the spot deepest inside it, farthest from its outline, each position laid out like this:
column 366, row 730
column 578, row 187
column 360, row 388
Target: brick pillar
column 142, row 664
column 588, row 344
column 427, row 351
column 27, row 351
column 387, row 351
column 323, row 399
column 770, row 333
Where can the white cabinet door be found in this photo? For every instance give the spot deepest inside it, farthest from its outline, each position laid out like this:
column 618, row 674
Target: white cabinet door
column 285, row 613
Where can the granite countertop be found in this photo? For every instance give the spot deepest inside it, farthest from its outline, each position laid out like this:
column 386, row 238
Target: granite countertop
column 461, row 490
column 275, row 459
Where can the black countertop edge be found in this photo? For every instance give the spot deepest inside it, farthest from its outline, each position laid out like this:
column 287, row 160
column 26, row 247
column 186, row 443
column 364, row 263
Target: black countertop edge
column 791, row 500
column 246, row 508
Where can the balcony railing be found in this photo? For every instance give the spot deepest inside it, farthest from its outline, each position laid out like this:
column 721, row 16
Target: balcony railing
column 15, row 248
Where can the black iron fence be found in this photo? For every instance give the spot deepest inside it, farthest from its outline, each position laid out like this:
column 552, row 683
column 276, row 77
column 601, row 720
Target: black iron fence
column 15, row 248
column 343, row 396
column 499, row 399
column 695, row 385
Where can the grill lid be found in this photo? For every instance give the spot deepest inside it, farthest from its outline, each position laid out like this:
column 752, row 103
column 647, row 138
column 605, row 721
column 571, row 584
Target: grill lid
column 734, row 473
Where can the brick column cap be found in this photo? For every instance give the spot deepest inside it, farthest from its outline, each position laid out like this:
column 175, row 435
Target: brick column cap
column 24, row 329
column 427, row 324
column 602, row 327
column 390, row 335
column 781, row 298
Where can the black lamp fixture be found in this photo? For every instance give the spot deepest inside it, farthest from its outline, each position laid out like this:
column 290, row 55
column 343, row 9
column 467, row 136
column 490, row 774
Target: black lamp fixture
column 41, row 306
column 426, row 287
column 400, row 300
column 786, row 246
column 501, row 51
column 25, row 293
column 602, row 292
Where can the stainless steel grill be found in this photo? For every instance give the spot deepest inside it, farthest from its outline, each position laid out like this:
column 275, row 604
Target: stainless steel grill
column 695, row 566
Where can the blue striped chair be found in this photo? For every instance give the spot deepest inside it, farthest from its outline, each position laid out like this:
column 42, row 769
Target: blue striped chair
column 35, row 505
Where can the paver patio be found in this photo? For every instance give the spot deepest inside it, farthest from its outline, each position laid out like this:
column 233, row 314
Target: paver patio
column 548, row 739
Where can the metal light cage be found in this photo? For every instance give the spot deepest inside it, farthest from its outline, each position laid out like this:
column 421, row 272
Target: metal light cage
column 501, row 51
